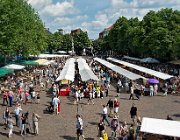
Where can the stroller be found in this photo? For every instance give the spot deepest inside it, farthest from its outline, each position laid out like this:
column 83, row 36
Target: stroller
column 50, row 108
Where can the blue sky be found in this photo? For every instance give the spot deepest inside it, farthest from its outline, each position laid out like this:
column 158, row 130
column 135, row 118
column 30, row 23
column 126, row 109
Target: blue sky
column 94, row 15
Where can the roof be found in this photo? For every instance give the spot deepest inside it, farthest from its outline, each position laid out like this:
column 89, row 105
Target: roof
column 68, row 72
column 119, row 70
column 160, row 127
column 14, row 67
column 85, row 71
column 158, row 74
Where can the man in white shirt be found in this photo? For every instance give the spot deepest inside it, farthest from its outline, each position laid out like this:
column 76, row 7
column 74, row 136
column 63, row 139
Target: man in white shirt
column 17, row 111
column 55, row 103
column 79, row 127
column 105, row 115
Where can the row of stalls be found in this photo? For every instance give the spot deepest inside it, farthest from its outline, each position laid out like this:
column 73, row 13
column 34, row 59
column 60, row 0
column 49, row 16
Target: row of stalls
column 67, row 75
column 155, row 77
column 41, row 60
column 119, row 70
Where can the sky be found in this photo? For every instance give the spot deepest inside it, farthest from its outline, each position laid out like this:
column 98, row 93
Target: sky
column 94, row 15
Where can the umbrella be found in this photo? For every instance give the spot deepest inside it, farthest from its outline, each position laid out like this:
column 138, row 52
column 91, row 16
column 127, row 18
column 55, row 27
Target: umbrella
column 152, row 81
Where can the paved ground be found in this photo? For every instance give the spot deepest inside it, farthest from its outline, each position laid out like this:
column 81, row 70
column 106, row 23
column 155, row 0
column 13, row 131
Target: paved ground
column 62, row 126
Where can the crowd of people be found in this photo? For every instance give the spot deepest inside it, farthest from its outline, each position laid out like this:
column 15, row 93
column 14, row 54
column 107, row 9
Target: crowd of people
column 17, row 90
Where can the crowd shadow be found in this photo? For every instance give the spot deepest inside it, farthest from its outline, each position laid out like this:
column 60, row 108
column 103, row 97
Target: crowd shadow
column 176, row 101
column 93, row 123
column 3, row 134
column 176, row 115
column 68, row 138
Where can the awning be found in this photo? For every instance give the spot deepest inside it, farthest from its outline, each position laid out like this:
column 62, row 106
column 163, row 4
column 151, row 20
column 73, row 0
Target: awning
column 160, row 75
column 85, row 71
column 4, row 71
column 68, row 72
column 41, row 61
column 51, row 55
column 14, row 67
column 119, row 70
column 161, row 127
column 176, row 62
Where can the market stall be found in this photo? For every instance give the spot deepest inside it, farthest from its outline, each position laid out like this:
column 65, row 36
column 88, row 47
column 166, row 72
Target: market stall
column 14, row 67
column 119, row 70
column 85, row 71
column 66, row 77
column 160, row 127
column 157, row 74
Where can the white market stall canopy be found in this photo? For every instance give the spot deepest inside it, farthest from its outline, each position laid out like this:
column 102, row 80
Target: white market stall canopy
column 142, row 69
column 85, row 71
column 14, row 67
column 68, row 72
column 119, row 70
column 161, row 127
column 51, row 55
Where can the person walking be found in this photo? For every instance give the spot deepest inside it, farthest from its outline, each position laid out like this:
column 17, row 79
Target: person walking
column 18, row 110
column 101, row 128
column 110, row 104
column 5, row 97
column 116, row 106
column 10, row 95
column 114, row 127
column 35, row 120
column 151, row 89
column 10, row 126
column 132, row 92
column 133, row 112
column 23, row 124
column 79, row 127
column 165, row 89
column 6, row 115
column 105, row 115
column 56, row 101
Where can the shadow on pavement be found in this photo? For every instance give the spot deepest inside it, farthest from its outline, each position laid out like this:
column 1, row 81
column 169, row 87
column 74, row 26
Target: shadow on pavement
column 176, row 115
column 68, row 138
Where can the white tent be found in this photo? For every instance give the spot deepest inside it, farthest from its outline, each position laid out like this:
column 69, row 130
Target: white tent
column 119, row 70
column 51, row 55
column 68, row 72
column 142, row 69
column 14, row 67
column 161, row 127
column 85, row 71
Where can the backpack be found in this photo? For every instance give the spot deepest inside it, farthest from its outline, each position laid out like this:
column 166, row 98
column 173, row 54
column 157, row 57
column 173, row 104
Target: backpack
column 105, row 136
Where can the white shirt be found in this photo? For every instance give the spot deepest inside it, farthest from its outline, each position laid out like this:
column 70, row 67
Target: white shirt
column 18, row 110
column 79, row 124
column 56, row 101
column 105, row 110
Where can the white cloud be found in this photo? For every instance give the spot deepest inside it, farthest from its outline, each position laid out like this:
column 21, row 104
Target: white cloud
column 39, row 4
column 59, row 9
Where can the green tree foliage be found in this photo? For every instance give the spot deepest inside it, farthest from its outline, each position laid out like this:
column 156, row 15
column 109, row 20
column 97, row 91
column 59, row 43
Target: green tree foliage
column 81, row 41
column 67, row 42
column 55, row 41
column 157, row 35
column 21, row 30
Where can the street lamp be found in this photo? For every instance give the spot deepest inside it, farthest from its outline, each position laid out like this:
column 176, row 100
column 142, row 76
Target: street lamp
column 72, row 41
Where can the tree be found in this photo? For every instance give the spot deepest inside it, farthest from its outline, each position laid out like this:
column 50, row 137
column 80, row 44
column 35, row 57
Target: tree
column 81, row 41
column 21, row 30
